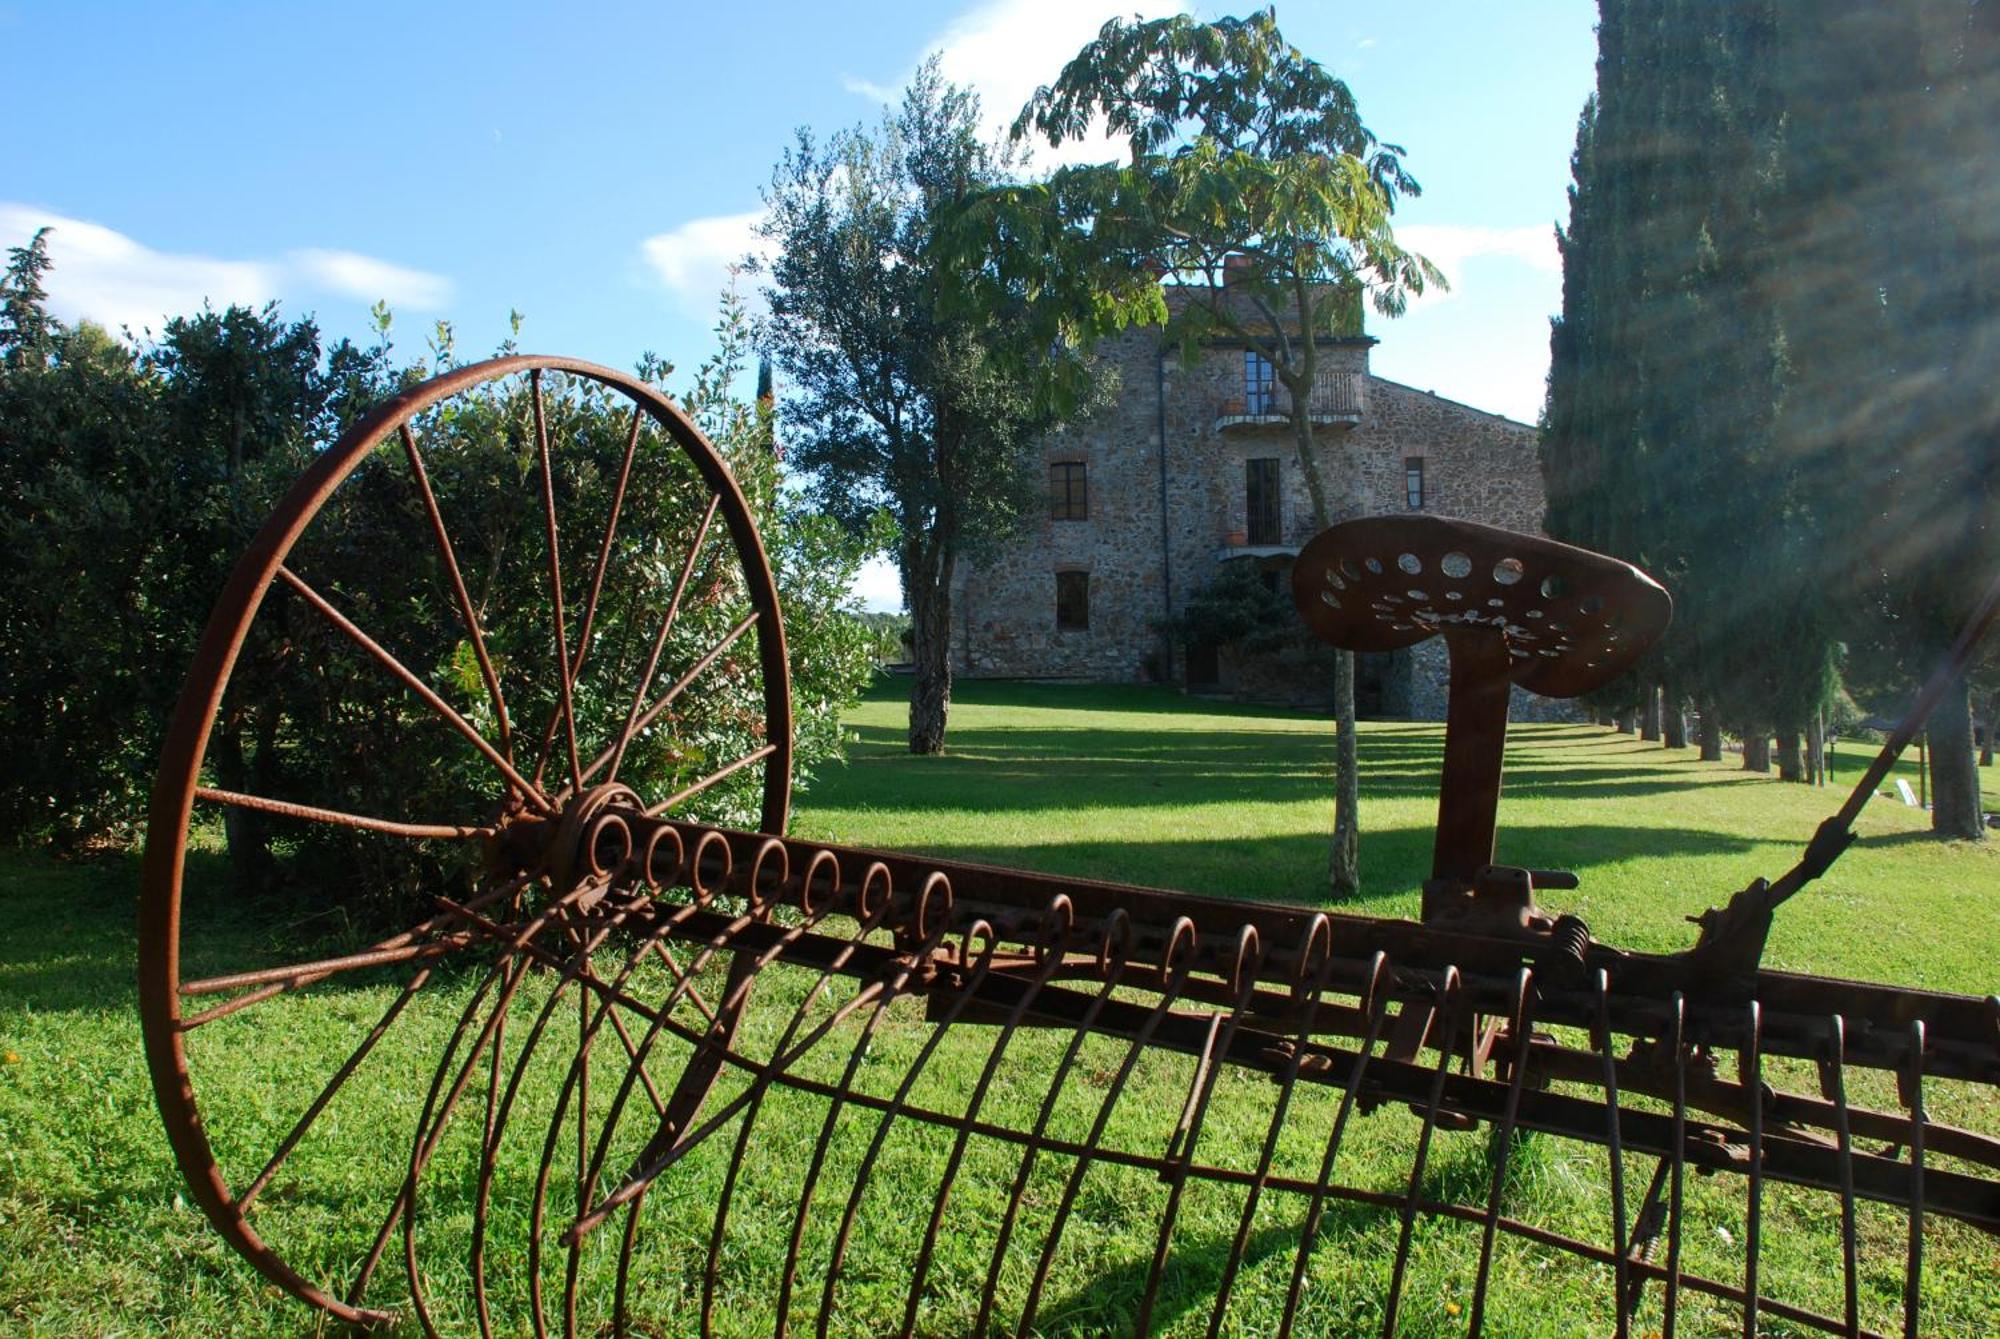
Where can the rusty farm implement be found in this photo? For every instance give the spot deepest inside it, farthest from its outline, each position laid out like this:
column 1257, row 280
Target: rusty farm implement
column 644, row 1063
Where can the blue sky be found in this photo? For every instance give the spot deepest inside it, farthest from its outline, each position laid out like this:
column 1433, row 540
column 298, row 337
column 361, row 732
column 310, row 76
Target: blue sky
column 597, row 167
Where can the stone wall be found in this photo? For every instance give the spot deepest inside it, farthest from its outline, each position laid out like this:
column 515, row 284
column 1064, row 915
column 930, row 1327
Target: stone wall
column 1176, row 433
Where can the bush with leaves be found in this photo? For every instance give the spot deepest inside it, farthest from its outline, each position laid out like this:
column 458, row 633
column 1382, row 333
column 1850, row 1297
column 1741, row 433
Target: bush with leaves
column 133, row 481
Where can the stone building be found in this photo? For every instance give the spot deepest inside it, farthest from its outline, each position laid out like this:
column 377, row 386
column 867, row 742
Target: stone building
column 1193, row 465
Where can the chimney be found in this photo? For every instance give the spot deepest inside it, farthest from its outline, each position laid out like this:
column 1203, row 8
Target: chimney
column 1235, row 267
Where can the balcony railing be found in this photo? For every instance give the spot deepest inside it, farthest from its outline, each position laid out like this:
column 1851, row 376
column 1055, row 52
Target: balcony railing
column 1337, row 398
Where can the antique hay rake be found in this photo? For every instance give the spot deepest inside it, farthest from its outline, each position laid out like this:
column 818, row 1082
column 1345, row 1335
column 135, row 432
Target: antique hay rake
column 645, row 1064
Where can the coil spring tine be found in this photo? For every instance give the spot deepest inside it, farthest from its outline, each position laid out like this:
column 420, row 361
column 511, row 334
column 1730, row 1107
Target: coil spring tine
column 1753, row 1058
column 1268, row 1153
column 1615, row 1144
column 1176, row 976
column 1523, row 1022
column 1913, row 1276
column 903, row 968
column 1452, row 994
column 889, row 1114
column 964, row 1137
column 1679, row 1037
column 1114, row 974
column 1376, row 1001
column 1220, row 1035
column 1850, row 1265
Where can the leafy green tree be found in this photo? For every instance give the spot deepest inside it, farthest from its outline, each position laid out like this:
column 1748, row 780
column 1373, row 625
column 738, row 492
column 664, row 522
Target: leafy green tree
column 27, row 332
column 916, row 388
column 1246, row 160
column 131, row 482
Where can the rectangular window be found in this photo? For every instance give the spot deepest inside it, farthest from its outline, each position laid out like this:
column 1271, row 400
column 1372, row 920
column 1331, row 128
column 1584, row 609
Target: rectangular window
column 1413, row 482
column 1260, row 502
column 1073, row 600
column 1069, row 491
column 1260, row 384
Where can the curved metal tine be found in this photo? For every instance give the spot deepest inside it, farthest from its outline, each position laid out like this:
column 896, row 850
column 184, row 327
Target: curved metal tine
column 617, row 751
column 574, row 663
column 953, row 1012
column 482, row 1309
column 752, row 1100
column 408, row 678
column 588, row 1218
column 575, row 970
column 1170, row 991
column 1913, row 1264
column 359, row 1287
column 667, row 1149
column 1522, row 1025
column 1375, row 1004
column 1450, row 1007
column 429, row 1132
column 1753, row 1234
column 1837, row 1081
column 614, row 753
column 973, row 1106
column 1614, row 1143
column 1221, row 1034
column 1678, row 1023
column 1266, row 1155
column 332, row 1087
column 1114, row 976
column 902, row 969
column 460, row 594
column 564, row 696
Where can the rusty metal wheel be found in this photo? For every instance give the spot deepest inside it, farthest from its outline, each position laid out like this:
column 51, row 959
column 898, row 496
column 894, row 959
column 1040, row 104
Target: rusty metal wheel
column 512, row 574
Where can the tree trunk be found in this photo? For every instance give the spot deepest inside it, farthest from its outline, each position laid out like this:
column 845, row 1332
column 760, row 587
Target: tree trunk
column 1343, row 862
column 1757, row 751
column 1816, row 749
column 1624, row 722
column 1711, row 734
column 1649, row 716
column 1791, row 764
column 1955, row 805
column 1986, row 737
column 929, row 585
column 1674, row 722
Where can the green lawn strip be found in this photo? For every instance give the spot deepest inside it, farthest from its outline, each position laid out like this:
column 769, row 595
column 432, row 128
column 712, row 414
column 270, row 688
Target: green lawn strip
column 1129, row 784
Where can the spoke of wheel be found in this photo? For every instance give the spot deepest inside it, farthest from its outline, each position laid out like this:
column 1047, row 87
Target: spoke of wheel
column 555, row 590
column 313, row 814
column 632, row 725
column 616, row 753
column 458, row 588
column 575, row 670
column 333, row 1086
column 321, row 968
column 698, row 787
column 409, row 680
column 298, row 975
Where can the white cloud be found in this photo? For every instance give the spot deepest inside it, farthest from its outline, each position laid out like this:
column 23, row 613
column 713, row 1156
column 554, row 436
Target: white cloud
column 693, row 258
column 370, row 280
column 108, row 277
column 1451, row 246
column 879, row 587
column 1005, row 49
column 865, row 88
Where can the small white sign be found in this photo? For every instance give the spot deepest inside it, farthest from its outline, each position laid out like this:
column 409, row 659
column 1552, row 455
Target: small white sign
column 1903, row 789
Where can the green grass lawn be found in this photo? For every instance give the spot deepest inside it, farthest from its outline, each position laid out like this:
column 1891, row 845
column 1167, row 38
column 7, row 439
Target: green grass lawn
column 1129, row 784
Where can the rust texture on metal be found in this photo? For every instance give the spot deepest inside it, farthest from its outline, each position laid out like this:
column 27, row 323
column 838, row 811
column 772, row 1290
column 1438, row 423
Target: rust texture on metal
column 676, row 1055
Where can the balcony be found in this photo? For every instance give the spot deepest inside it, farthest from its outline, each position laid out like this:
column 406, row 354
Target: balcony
column 1338, row 398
